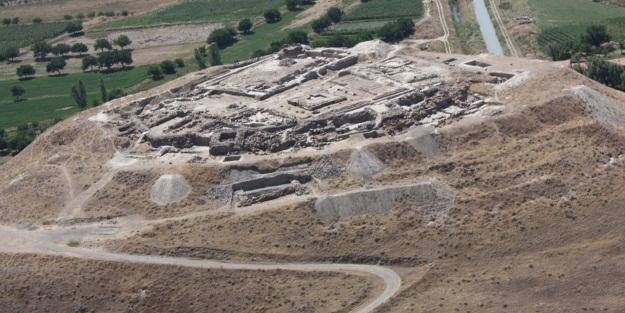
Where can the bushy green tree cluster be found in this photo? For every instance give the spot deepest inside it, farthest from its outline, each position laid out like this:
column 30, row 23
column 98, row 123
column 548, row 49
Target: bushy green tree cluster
column 397, row 30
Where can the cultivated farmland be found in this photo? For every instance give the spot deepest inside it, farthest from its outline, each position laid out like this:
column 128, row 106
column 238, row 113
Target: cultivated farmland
column 24, row 35
column 566, row 20
column 198, row 11
column 386, row 9
column 48, row 98
column 57, row 9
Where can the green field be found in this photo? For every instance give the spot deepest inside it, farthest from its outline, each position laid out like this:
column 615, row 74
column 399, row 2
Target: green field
column 262, row 38
column 563, row 20
column 198, row 11
column 359, row 25
column 385, row 9
column 24, row 35
column 49, row 97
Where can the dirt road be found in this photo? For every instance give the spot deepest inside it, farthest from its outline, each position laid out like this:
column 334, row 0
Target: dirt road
column 441, row 15
column 54, row 240
column 502, row 27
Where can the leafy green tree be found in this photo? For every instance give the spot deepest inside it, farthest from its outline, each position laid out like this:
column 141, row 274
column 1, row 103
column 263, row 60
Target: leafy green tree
column 124, row 57
column 202, row 51
column 37, row 20
column 168, row 67
column 245, row 25
column 101, row 44
column 6, row 21
column 74, row 28
column 223, row 37
column 88, row 62
column 397, row 30
column 292, row 5
column 199, row 59
column 559, row 51
column 61, row 49
column 56, row 65
column 259, row 53
column 272, row 16
column 155, row 72
column 11, row 53
column 80, row 48
column 4, row 139
column 335, row 14
column 214, row 55
column 15, row 20
column 321, row 24
column 115, row 94
column 103, row 92
column 17, row 92
column 298, row 36
column 24, row 71
column 24, row 135
column 596, row 35
column 122, row 41
column 179, row 63
column 79, row 94
column 107, row 59
column 41, row 50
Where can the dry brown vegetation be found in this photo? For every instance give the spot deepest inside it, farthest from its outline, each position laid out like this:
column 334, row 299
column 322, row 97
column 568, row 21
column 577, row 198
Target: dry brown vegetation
column 537, row 193
column 56, row 284
column 536, row 225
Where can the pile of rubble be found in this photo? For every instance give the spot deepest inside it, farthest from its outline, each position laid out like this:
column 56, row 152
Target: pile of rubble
column 300, row 97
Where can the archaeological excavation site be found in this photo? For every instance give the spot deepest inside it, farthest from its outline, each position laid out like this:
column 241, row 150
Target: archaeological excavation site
column 378, row 178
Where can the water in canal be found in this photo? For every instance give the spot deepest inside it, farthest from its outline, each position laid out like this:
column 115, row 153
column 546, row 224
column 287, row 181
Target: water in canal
column 487, row 28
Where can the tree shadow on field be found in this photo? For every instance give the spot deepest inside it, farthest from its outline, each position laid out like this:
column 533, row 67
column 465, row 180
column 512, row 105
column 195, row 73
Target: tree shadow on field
column 116, row 69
